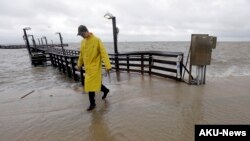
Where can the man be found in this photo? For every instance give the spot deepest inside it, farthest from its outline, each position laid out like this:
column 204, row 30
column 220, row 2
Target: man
column 92, row 53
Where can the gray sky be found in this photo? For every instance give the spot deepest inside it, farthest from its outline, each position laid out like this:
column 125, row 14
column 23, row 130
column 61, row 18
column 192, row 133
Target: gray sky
column 138, row 20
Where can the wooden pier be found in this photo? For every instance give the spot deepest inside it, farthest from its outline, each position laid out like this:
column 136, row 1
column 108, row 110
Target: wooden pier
column 159, row 63
column 164, row 64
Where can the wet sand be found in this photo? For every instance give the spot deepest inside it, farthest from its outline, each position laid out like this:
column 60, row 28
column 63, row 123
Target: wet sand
column 138, row 108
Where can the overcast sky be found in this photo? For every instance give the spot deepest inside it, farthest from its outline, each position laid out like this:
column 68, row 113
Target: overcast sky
column 138, row 20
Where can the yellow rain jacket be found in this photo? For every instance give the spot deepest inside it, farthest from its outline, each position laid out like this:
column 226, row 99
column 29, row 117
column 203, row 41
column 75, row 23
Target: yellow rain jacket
column 92, row 53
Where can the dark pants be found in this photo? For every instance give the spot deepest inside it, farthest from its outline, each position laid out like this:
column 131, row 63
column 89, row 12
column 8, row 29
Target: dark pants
column 92, row 95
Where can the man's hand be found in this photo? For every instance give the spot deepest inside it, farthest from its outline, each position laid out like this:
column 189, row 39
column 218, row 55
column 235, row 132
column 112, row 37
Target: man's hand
column 108, row 74
column 108, row 70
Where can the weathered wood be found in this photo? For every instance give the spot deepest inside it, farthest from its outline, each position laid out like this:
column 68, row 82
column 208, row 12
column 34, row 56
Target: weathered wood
column 144, row 62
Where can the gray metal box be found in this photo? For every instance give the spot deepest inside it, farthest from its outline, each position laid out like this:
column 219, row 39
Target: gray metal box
column 201, row 49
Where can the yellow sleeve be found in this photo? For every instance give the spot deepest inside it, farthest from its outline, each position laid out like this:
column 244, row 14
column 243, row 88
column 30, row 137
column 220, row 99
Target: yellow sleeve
column 104, row 55
column 80, row 58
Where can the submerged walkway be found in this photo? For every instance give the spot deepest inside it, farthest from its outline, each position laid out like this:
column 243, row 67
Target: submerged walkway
column 138, row 108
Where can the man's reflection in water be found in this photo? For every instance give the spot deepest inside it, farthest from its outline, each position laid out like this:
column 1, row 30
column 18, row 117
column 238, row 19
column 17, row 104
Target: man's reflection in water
column 98, row 129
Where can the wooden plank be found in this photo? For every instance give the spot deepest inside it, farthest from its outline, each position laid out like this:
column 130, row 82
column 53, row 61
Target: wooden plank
column 164, row 69
column 163, row 75
column 164, row 62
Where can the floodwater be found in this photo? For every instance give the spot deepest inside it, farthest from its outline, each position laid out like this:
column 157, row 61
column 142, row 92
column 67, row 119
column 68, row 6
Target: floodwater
column 138, row 107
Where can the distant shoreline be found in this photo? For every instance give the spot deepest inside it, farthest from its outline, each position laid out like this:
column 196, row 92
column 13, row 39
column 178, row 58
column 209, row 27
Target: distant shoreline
column 136, row 42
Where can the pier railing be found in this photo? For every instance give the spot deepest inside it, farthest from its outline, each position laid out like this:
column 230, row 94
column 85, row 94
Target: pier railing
column 164, row 64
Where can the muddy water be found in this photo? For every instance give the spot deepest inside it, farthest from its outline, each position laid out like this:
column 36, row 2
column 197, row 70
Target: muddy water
column 137, row 108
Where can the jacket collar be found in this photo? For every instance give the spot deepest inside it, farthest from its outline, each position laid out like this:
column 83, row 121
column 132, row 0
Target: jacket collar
column 91, row 35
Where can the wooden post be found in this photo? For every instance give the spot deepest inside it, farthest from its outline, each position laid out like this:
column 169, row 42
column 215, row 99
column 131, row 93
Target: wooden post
column 142, row 64
column 67, row 66
column 181, row 67
column 51, row 59
column 59, row 63
column 127, row 63
column 190, row 75
column 73, row 69
column 55, row 60
column 150, row 64
column 116, row 62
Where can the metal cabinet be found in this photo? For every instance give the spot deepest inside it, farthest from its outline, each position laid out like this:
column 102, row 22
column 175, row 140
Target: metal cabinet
column 200, row 55
column 201, row 49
